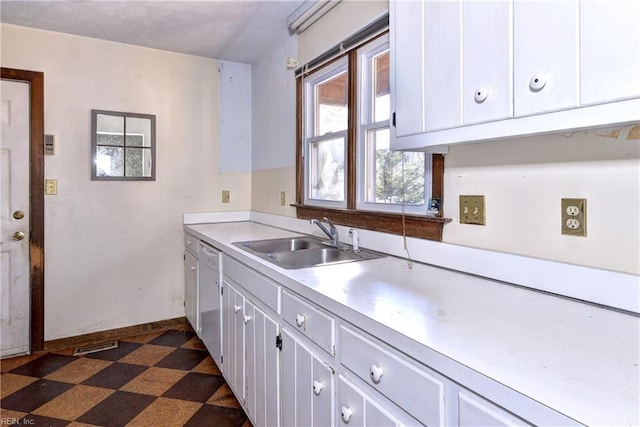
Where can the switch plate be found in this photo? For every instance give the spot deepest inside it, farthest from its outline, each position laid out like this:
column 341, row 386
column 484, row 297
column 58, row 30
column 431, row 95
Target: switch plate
column 51, row 187
column 472, row 210
column 574, row 217
column 283, row 198
column 226, row 196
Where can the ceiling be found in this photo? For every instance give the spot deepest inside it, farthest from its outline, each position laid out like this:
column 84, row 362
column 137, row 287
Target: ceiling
column 233, row 30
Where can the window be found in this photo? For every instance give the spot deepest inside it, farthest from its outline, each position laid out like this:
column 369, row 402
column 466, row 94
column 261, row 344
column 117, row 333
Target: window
column 346, row 170
column 123, row 146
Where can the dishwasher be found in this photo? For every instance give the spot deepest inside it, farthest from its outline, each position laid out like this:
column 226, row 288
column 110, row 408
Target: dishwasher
column 209, row 297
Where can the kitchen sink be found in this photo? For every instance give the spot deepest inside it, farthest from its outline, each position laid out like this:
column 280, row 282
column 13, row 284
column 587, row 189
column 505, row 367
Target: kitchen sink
column 303, row 252
column 290, row 244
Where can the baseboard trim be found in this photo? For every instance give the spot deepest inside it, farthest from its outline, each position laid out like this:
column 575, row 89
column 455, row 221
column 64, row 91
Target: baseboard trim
column 116, row 334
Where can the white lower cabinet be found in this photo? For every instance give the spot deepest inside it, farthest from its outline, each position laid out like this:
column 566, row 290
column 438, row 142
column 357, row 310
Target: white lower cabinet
column 307, row 385
column 233, row 362
column 474, row 411
column 191, row 281
column 357, row 408
column 261, row 366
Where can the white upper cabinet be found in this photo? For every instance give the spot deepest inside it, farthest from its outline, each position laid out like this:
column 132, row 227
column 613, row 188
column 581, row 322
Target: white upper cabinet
column 609, row 50
column 545, row 56
column 487, row 57
column 476, row 70
column 407, row 78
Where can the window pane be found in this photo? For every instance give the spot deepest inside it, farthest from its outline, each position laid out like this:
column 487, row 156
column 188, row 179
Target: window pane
column 392, row 176
column 109, row 139
column 326, row 174
column 110, row 161
column 109, row 129
column 381, row 102
column 135, row 140
column 331, row 105
column 138, row 131
column 138, row 162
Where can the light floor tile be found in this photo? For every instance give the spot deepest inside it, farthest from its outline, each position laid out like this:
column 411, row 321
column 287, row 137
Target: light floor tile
column 154, row 381
column 224, row 397
column 78, row 370
column 143, row 339
column 207, row 366
column 147, row 355
column 166, row 412
column 73, row 402
column 10, row 417
column 11, row 363
column 10, row 383
column 194, row 344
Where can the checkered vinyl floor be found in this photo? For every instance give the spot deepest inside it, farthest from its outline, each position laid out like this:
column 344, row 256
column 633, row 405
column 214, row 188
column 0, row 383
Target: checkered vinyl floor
column 161, row 379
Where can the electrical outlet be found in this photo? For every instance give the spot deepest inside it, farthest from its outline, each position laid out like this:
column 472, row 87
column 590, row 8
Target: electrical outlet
column 226, row 196
column 574, row 217
column 472, row 210
column 283, row 197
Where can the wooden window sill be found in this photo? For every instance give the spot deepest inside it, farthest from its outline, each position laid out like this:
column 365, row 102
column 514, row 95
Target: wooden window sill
column 424, row 227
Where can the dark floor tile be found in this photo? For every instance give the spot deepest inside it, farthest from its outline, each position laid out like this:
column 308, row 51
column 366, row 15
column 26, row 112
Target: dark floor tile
column 183, row 358
column 117, row 409
column 224, row 417
column 114, row 354
column 173, row 338
column 34, row 395
column 38, row 421
column 195, row 387
column 44, row 365
column 115, row 376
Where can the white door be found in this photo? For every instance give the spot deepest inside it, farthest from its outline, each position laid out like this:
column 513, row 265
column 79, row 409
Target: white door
column 14, row 231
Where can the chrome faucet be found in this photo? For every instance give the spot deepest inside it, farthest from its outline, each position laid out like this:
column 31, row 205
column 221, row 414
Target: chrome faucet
column 332, row 232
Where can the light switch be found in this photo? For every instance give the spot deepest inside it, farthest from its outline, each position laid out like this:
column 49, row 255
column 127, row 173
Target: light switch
column 51, row 187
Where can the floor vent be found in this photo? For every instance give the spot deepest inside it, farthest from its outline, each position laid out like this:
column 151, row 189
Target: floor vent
column 95, row 347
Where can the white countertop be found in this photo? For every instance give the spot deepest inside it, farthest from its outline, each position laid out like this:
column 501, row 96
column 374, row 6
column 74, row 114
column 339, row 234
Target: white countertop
column 578, row 359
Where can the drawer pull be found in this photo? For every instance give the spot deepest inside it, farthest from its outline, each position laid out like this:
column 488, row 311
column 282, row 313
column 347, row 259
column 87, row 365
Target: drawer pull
column 236, row 308
column 300, row 319
column 317, row 387
column 246, row 319
column 376, row 372
column 346, row 414
column 537, row 82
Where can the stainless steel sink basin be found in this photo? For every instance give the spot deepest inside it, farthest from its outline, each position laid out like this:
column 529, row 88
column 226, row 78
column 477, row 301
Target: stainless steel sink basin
column 303, row 252
column 280, row 245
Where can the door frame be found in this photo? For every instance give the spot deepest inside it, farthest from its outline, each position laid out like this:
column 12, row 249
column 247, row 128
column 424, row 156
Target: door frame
column 36, row 198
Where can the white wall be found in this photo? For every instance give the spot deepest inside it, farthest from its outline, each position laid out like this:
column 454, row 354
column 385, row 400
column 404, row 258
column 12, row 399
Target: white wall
column 105, row 241
column 274, row 136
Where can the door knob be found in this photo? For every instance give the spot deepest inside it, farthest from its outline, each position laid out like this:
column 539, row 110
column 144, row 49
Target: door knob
column 18, row 214
column 18, row 235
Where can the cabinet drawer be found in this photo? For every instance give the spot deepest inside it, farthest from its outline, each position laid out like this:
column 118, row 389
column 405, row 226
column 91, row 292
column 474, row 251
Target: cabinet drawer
column 264, row 289
column 475, row 411
column 191, row 243
column 310, row 321
column 412, row 387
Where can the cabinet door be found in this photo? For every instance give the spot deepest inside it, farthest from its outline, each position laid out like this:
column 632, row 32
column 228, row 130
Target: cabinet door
column 487, row 40
column 545, row 56
column 210, row 313
column 443, row 67
column 262, row 366
column 356, row 408
column 233, row 332
column 609, row 46
column 191, row 290
column 407, row 70
column 307, row 385
column 474, row 411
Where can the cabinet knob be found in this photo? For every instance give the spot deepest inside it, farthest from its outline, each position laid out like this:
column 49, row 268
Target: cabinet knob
column 236, row 308
column 18, row 235
column 376, row 372
column 481, row 94
column 346, row 414
column 193, row 268
column 300, row 319
column 246, row 319
column 188, row 242
column 537, row 82
column 317, row 387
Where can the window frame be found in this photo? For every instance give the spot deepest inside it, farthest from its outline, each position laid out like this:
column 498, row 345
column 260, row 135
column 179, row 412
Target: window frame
column 403, row 223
